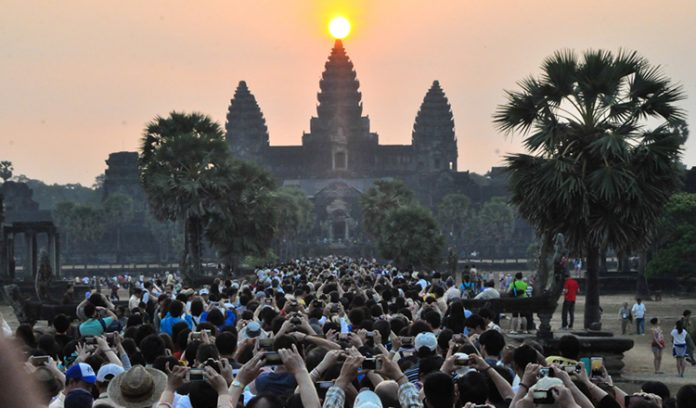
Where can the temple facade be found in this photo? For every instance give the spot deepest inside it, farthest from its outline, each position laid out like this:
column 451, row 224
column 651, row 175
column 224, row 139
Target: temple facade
column 341, row 157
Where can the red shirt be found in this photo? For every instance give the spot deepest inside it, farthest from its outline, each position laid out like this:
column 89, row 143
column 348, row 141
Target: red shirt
column 571, row 289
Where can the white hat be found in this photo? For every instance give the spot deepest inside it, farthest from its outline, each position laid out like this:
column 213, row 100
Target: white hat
column 426, row 339
column 108, row 369
column 367, row 399
column 203, row 291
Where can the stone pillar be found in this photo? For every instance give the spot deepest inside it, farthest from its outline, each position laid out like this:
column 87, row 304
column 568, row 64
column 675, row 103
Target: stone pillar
column 56, row 253
column 52, row 250
column 28, row 255
column 11, row 262
column 34, row 256
column 4, row 256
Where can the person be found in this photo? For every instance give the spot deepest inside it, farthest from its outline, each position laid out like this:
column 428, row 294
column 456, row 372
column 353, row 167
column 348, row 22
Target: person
column 95, row 324
column 625, row 317
column 638, row 312
column 104, row 376
column 690, row 328
column 176, row 314
column 657, row 344
column 569, row 349
column 679, row 346
column 517, row 289
column 570, row 291
column 488, row 292
column 79, row 380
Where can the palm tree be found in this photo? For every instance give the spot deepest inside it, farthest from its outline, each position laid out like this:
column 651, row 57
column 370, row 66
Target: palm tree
column 595, row 170
column 184, row 168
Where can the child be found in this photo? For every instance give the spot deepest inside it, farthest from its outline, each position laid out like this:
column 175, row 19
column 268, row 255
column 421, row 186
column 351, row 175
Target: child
column 658, row 343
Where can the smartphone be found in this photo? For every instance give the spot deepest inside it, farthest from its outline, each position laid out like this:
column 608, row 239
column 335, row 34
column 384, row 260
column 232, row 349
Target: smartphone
column 588, row 365
column 38, row 361
column 110, row 338
column 597, row 363
column 370, row 334
column 272, row 358
column 195, row 374
column 90, row 340
column 545, row 372
column 371, row 364
column 266, row 344
column 195, row 336
column 572, row 370
column 406, row 342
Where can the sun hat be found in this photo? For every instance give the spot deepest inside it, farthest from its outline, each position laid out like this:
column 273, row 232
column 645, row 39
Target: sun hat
column 108, row 370
column 81, row 372
column 426, row 339
column 367, row 399
column 138, row 387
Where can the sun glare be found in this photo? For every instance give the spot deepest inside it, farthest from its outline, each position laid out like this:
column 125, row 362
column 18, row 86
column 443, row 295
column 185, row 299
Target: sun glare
column 339, row 27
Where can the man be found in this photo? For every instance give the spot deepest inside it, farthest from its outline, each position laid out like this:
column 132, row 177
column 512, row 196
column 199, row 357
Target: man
column 690, row 332
column 452, row 291
column 95, row 325
column 638, row 311
column 78, row 385
column 488, row 292
column 439, row 390
column 425, row 346
column 569, row 349
column 570, row 291
column 135, row 299
column 105, row 374
column 517, row 289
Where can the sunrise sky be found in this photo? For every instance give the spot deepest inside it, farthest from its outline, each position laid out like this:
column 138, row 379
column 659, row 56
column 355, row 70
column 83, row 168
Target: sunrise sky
column 79, row 79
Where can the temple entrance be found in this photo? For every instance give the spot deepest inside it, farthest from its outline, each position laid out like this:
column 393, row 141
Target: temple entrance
column 339, row 231
column 30, row 233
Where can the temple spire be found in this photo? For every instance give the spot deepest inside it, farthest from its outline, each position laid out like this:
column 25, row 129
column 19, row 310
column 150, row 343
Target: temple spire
column 339, row 97
column 247, row 133
column 433, row 131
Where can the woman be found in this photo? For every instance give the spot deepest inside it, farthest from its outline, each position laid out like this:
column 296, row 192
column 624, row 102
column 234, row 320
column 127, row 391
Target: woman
column 657, row 345
column 679, row 346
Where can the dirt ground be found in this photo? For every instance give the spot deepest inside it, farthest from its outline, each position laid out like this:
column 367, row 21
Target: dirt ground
column 638, row 361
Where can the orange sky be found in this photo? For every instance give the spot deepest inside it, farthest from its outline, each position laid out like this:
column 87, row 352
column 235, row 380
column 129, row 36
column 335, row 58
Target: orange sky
column 79, row 79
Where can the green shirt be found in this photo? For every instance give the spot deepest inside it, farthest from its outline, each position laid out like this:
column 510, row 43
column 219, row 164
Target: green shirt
column 93, row 327
column 521, row 288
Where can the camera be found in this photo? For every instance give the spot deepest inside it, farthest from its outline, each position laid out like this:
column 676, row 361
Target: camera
column 371, row 364
column 541, row 391
column 295, row 319
column 195, row 374
column 266, row 344
column 406, row 342
column 572, row 370
column 272, row 358
column 461, row 359
column 38, row 361
column 110, row 338
column 545, row 372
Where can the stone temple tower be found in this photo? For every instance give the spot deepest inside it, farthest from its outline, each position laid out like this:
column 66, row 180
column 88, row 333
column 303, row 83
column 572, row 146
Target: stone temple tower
column 433, row 137
column 339, row 139
column 247, row 133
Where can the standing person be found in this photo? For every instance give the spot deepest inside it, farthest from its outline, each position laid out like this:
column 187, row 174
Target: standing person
column 517, row 289
column 679, row 346
column 570, row 291
column 625, row 317
column 657, row 344
column 638, row 312
column 690, row 328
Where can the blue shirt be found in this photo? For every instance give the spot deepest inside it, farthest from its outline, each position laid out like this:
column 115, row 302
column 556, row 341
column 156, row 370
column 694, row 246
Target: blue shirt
column 168, row 322
column 230, row 318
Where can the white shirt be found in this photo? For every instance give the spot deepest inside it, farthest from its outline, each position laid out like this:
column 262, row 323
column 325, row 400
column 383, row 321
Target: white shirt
column 452, row 293
column 677, row 338
column 638, row 310
column 488, row 293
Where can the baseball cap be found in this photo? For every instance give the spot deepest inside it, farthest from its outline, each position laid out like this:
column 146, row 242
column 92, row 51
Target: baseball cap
column 426, row 339
column 108, row 370
column 82, row 372
column 203, row 291
column 367, row 399
column 253, row 329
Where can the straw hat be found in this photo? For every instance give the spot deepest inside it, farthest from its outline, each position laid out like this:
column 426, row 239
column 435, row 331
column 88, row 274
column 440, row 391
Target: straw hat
column 138, row 387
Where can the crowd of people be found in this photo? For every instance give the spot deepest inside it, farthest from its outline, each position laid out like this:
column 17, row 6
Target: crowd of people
column 330, row 332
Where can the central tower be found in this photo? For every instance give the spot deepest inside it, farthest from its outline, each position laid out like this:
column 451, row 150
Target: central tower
column 339, row 138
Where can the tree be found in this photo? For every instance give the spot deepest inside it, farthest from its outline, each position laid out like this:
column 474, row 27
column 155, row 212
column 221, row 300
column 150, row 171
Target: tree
column 496, row 222
column 118, row 210
column 242, row 221
column 80, row 225
column 184, row 168
column 595, row 171
column 411, row 237
column 295, row 219
column 676, row 239
column 6, row 170
column 455, row 216
column 380, row 199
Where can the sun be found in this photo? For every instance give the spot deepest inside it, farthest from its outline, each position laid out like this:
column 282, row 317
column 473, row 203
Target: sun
column 339, row 27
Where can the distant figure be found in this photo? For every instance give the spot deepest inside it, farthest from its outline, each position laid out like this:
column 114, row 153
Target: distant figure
column 625, row 317
column 657, row 344
column 679, row 334
column 517, row 289
column 638, row 312
column 690, row 328
column 578, row 267
column 570, row 291
column 488, row 292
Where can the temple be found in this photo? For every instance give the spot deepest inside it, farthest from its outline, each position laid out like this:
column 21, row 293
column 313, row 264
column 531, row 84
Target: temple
column 340, row 157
